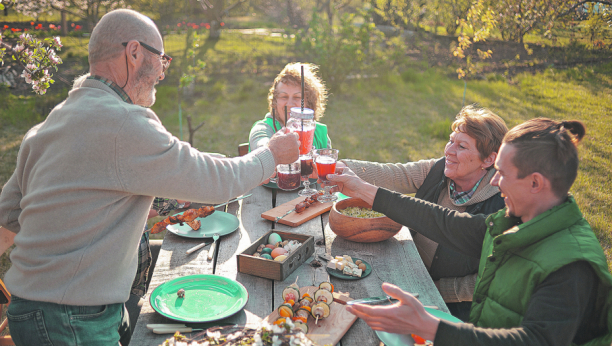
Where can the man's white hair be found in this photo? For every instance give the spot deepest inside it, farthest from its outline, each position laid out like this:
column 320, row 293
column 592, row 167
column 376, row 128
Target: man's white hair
column 117, row 27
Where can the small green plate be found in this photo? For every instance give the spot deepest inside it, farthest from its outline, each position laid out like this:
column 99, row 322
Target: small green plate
column 207, row 298
column 338, row 274
column 217, row 222
column 391, row 339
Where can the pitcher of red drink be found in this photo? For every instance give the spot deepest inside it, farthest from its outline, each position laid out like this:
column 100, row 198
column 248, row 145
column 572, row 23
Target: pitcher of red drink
column 303, row 123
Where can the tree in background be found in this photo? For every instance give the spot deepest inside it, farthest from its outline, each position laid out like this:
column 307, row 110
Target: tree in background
column 401, row 13
column 292, row 14
column 516, row 18
column 215, row 11
column 480, row 21
column 89, row 10
column 330, row 7
column 450, row 11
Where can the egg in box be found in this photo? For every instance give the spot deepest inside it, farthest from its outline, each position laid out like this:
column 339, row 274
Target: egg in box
column 276, row 254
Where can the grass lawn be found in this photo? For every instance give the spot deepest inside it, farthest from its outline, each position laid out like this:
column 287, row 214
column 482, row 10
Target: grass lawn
column 393, row 118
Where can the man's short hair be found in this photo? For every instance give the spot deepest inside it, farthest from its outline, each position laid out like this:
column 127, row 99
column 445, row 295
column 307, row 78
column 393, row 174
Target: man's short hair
column 486, row 127
column 116, row 27
column 548, row 147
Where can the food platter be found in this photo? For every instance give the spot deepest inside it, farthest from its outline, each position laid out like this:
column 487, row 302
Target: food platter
column 218, row 222
column 391, row 339
column 330, row 330
column 338, row 274
column 207, row 298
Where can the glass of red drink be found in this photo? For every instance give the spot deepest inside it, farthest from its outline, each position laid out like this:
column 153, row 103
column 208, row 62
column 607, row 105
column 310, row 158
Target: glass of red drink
column 307, row 167
column 326, row 159
column 288, row 177
column 302, row 122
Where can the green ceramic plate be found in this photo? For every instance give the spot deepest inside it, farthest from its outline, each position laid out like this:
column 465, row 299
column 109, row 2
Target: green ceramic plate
column 207, row 298
column 338, row 274
column 390, row 339
column 217, row 222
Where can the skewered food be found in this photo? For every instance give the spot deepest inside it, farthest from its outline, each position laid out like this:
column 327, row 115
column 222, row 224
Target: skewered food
column 195, row 224
column 291, row 292
column 187, row 216
column 285, row 310
column 302, row 326
column 306, row 300
column 323, row 295
column 320, row 310
column 304, row 313
column 326, row 286
column 310, row 200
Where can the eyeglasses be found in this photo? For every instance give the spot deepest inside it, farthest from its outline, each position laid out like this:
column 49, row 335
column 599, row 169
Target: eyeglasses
column 165, row 59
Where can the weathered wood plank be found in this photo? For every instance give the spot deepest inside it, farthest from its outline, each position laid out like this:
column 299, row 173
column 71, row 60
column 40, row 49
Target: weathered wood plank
column 252, row 226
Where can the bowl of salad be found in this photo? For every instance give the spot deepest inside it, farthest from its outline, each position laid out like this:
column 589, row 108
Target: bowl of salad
column 353, row 219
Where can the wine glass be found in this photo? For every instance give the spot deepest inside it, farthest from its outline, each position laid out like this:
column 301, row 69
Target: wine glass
column 326, row 159
column 307, row 167
column 288, row 176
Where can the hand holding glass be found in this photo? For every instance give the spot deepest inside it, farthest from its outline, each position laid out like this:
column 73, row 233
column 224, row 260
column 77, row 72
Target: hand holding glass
column 326, row 159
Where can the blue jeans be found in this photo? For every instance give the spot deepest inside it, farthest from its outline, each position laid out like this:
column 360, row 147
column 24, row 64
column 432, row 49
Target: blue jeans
column 41, row 323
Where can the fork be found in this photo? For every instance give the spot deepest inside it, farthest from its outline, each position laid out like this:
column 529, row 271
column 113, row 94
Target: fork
column 211, row 251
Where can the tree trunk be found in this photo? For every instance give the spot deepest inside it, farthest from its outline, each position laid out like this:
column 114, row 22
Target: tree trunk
column 64, row 24
column 192, row 130
column 215, row 30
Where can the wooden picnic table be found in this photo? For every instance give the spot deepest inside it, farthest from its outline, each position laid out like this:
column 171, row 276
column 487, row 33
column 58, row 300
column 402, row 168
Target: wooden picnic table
column 395, row 260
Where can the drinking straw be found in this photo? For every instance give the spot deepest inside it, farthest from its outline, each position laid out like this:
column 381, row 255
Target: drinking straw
column 274, row 119
column 302, row 66
column 285, row 116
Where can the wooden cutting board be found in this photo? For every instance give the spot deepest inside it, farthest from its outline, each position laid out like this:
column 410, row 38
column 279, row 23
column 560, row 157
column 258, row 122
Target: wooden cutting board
column 294, row 219
column 330, row 330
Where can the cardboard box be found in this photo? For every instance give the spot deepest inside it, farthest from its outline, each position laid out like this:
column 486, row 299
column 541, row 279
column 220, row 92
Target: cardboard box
column 270, row 269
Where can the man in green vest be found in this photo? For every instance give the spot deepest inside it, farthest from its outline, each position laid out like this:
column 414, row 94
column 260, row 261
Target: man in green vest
column 543, row 278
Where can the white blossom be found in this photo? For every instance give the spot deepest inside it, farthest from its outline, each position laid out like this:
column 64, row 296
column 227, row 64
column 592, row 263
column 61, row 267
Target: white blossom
column 26, row 76
column 57, row 41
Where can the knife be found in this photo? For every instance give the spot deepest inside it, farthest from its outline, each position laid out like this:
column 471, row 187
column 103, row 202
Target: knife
column 384, row 300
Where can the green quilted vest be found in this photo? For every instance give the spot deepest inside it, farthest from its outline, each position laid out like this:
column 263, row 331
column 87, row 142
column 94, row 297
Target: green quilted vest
column 517, row 258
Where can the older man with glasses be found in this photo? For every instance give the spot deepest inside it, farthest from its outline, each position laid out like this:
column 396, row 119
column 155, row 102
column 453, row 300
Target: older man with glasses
column 84, row 183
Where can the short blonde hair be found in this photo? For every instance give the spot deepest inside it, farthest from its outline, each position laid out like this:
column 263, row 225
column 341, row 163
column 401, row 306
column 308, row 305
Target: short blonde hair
column 315, row 92
column 486, row 127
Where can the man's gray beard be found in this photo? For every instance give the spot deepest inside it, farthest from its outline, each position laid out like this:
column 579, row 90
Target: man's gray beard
column 145, row 94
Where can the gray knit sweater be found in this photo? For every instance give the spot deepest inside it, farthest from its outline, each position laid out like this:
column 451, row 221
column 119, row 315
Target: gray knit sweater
column 83, row 185
column 407, row 178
